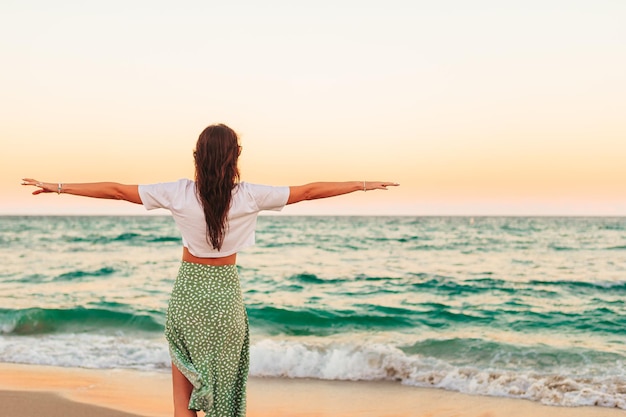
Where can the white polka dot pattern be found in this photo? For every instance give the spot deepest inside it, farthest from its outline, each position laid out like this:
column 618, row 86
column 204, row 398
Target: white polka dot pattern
column 207, row 330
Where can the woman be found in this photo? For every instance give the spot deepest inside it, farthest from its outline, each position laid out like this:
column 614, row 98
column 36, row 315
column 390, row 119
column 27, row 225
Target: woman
column 206, row 323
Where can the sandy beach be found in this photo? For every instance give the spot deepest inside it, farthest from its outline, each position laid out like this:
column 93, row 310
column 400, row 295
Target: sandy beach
column 27, row 390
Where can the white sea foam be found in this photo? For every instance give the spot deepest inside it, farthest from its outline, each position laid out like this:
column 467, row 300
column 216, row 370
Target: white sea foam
column 322, row 359
column 7, row 327
column 85, row 351
column 383, row 362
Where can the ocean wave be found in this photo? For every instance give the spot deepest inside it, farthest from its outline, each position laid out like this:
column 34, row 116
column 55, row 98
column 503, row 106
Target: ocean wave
column 577, row 286
column 613, row 226
column 84, row 350
column 312, row 321
column 308, row 278
column 454, row 287
column 314, row 279
column 451, row 286
column 491, row 354
column 519, row 312
column 561, row 248
column 402, row 239
column 130, row 238
column 384, row 362
column 79, row 273
column 598, row 379
column 32, row 321
column 71, row 276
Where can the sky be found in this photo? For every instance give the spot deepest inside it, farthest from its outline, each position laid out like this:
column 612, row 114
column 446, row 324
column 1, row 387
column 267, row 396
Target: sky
column 475, row 108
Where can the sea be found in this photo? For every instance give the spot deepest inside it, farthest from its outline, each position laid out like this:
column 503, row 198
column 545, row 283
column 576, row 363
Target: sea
column 522, row 307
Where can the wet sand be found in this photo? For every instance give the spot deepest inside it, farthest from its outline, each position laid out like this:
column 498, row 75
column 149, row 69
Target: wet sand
column 27, row 390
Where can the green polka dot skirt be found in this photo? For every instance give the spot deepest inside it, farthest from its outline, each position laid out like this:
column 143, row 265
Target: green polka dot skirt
column 207, row 330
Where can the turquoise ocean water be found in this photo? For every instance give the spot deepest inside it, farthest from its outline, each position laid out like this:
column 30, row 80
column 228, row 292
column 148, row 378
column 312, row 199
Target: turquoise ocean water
column 519, row 307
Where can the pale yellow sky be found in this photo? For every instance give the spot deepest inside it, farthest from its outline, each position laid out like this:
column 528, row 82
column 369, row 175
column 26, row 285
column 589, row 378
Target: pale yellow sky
column 483, row 107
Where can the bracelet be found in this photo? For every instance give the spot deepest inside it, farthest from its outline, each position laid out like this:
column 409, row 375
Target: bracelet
column 59, row 188
column 364, row 189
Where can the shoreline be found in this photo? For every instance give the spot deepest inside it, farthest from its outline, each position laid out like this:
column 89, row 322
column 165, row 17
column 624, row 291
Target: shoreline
column 24, row 389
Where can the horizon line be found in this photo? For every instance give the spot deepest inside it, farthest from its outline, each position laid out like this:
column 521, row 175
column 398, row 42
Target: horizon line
column 325, row 215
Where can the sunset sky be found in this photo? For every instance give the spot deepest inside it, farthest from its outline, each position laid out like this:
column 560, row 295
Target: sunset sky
column 481, row 107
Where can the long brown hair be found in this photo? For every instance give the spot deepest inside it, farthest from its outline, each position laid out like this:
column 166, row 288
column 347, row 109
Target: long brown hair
column 216, row 154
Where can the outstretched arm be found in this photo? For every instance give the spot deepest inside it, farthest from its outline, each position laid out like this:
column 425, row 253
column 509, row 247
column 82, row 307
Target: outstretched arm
column 316, row 190
column 109, row 190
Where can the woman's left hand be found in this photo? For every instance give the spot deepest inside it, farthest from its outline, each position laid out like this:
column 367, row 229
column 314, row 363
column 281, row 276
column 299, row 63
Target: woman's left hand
column 44, row 187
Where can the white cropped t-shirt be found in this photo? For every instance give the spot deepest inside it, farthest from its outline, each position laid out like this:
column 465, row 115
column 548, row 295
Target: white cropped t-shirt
column 180, row 199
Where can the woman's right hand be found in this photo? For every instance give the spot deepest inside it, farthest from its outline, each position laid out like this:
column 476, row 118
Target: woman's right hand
column 316, row 190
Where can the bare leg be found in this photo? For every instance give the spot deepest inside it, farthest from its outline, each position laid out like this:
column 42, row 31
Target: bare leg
column 182, row 393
